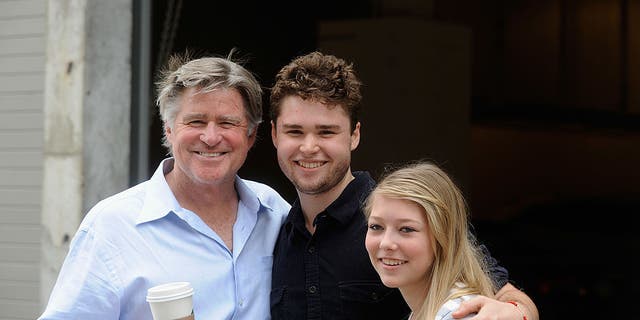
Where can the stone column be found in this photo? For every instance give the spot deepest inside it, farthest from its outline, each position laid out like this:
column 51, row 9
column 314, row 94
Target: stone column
column 87, row 111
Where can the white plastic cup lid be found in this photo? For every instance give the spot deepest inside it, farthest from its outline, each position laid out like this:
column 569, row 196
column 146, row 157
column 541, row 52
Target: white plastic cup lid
column 169, row 291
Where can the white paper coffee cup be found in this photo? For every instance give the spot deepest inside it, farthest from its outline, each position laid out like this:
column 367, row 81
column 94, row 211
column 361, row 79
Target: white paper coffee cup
column 171, row 301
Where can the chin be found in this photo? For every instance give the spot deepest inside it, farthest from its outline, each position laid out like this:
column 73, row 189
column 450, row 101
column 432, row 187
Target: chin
column 308, row 187
column 390, row 283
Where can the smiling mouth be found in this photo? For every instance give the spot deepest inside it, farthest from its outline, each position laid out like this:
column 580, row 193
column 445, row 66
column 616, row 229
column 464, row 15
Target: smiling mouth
column 392, row 262
column 309, row 165
column 210, row 154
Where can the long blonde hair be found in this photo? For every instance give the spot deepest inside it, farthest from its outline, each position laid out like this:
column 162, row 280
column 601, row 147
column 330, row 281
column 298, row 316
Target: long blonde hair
column 457, row 256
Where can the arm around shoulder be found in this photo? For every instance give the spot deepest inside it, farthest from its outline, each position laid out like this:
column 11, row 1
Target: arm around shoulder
column 509, row 304
column 524, row 303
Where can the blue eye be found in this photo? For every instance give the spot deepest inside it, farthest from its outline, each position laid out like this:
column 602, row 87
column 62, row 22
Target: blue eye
column 407, row 229
column 375, row 227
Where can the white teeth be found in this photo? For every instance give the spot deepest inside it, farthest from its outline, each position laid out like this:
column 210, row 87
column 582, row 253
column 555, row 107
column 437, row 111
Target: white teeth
column 210, row 154
column 393, row 262
column 309, row 165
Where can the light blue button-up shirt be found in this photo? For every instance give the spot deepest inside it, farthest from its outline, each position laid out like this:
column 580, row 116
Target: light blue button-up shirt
column 141, row 238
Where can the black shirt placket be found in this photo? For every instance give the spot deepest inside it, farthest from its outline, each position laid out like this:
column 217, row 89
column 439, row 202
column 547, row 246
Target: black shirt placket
column 312, row 271
column 312, row 281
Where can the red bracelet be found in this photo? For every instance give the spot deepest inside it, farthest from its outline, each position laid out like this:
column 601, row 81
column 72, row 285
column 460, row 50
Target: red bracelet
column 524, row 317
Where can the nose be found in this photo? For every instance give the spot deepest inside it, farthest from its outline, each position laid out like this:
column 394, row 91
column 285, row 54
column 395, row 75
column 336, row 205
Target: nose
column 309, row 144
column 210, row 134
column 387, row 241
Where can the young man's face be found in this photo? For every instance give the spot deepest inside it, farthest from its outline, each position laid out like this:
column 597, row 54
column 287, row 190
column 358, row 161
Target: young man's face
column 209, row 137
column 314, row 144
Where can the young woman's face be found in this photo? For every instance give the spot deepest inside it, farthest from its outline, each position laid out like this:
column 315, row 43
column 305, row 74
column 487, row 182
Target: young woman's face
column 399, row 242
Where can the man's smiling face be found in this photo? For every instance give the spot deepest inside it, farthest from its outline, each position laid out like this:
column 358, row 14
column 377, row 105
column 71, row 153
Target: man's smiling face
column 314, row 143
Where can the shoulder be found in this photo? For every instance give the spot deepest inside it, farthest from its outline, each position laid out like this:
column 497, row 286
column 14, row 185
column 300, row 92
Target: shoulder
column 268, row 196
column 444, row 313
column 115, row 211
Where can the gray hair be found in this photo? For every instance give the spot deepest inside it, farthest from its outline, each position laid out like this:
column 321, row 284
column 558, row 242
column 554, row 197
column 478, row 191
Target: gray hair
column 206, row 74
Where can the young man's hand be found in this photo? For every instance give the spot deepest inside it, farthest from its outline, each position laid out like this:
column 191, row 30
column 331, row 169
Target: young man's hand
column 519, row 307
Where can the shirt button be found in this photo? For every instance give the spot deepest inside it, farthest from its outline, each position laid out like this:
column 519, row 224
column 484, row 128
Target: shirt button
column 374, row 296
column 311, row 249
column 313, row 289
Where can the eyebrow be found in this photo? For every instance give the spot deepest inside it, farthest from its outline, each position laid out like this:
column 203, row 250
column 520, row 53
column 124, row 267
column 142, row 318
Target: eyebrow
column 320, row 127
column 374, row 218
column 328, row 127
column 191, row 116
column 229, row 118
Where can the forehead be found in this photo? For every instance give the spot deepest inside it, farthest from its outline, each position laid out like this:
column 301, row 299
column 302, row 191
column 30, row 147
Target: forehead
column 298, row 110
column 393, row 209
column 223, row 100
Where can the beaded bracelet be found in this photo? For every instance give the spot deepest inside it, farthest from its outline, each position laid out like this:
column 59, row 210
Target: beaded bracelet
column 524, row 317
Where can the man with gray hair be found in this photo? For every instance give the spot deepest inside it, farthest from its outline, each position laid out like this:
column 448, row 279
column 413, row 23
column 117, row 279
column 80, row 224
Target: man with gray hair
column 194, row 220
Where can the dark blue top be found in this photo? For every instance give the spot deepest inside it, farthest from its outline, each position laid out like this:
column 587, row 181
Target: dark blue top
column 328, row 275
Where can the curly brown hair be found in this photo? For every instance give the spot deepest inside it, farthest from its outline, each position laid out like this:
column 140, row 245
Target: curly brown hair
column 320, row 77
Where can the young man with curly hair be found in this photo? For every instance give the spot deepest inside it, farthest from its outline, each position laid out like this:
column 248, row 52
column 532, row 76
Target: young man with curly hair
column 321, row 269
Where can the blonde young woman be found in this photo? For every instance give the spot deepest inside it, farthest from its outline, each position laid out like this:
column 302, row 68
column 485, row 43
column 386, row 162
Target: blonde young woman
column 418, row 241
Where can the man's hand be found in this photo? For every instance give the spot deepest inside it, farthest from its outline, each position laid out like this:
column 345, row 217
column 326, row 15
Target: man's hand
column 487, row 308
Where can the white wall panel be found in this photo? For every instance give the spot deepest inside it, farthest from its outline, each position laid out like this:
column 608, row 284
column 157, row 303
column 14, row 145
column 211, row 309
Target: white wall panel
column 22, row 67
column 18, row 214
column 22, row 8
column 21, row 102
column 17, row 290
column 22, row 63
column 22, row 27
column 20, row 178
column 12, row 83
column 21, row 140
column 34, row 44
column 26, row 196
column 21, row 159
column 18, row 271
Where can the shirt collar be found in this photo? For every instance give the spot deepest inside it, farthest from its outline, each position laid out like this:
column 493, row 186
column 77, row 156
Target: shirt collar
column 344, row 207
column 159, row 200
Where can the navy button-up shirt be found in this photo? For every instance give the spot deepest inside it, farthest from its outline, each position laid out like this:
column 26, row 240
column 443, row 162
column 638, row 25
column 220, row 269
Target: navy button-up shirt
column 328, row 275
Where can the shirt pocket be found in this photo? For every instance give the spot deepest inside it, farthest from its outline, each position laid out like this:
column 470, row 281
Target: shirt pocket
column 370, row 300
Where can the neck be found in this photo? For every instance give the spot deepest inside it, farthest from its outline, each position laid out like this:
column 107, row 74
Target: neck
column 216, row 205
column 203, row 199
column 313, row 204
column 414, row 297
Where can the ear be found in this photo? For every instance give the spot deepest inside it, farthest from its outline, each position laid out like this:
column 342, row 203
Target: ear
column 167, row 132
column 355, row 137
column 252, row 137
column 274, row 134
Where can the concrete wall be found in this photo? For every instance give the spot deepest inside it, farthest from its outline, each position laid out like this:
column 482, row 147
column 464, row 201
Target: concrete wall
column 22, row 65
column 87, row 112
